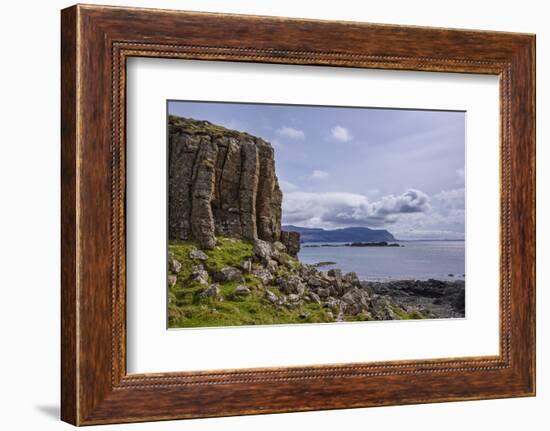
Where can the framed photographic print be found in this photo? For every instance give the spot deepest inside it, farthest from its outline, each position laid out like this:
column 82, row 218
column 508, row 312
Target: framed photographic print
column 265, row 215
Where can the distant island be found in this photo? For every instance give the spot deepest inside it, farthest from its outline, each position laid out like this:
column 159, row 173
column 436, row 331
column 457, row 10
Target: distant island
column 358, row 244
column 348, row 234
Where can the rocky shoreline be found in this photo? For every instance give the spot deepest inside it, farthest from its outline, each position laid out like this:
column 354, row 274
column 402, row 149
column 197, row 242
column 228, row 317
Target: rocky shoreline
column 437, row 298
column 281, row 283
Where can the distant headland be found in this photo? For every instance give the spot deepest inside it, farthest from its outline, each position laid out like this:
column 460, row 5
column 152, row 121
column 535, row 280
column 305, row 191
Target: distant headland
column 348, row 234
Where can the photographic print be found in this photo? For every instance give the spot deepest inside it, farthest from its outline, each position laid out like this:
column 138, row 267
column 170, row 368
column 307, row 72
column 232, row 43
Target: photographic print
column 290, row 214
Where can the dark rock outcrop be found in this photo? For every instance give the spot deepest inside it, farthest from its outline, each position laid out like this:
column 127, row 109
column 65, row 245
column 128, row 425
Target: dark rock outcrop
column 222, row 182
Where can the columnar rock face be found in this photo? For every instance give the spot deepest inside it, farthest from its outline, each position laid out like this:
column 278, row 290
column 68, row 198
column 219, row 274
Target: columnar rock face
column 221, row 182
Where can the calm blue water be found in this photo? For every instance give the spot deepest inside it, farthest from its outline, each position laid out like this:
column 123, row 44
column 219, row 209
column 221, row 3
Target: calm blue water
column 417, row 260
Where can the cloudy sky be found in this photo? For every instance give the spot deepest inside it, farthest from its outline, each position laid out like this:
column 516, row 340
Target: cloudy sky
column 401, row 170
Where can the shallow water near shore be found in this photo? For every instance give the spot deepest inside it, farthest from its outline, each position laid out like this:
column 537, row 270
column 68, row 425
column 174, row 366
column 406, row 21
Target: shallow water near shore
column 418, row 260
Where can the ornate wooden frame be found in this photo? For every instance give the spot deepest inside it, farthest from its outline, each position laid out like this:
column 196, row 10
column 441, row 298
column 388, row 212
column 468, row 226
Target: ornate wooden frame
column 95, row 42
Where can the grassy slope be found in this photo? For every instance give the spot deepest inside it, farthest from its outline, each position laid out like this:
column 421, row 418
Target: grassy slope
column 187, row 309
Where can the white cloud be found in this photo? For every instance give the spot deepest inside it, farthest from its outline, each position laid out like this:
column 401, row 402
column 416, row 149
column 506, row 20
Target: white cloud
column 291, row 133
column 451, row 199
column 319, row 175
column 336, row 209
column 341, row 134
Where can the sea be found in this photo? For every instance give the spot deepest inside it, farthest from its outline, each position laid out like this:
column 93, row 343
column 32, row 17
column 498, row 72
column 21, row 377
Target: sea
column 414, row 260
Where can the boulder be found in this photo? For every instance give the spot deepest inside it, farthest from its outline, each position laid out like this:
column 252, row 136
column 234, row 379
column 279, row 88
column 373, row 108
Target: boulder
column 241, row 291
column 200, row 276
column 172, row 279
column 313, row 297
column 279, row 247
column 271, row 297
column 292, row 284
column 336, row 274
column 227, row 274
column 271, row 266
column 262, row 250
column 174, row 265
column 323, row 292
column 211, row 291
column 351, row 277
column 197, row 254
column 264, row 275
column 293, row 297
column 247, row 265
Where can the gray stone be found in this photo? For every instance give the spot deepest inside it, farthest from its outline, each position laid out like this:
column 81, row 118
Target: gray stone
column 336, row 274
column 264, row 275
column 227, row 274
column 241, row 291
column 172, row 279
column 293, row 305
column 323, row 292
column 313, row 297
column 271, row 266
column 262, row 249
column 351, row 277
column 200, row 276
column 198, row 254
column 271, row 297
column 211, row 291
column 173, row 264
column 279, row 247
column 247, row 265
column 292, row 284
column 293, row 297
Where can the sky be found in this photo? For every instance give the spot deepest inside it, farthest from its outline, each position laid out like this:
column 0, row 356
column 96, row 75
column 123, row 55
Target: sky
column 395, row 169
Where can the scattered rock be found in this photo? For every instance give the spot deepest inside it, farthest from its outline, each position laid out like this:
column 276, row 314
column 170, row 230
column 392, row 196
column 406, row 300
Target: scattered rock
column 264, row 275
column 211, row 291
column 262, row 249
column 323, row 292
column 271, row 265
column 242, row 291
column 247, row 265
column 173, row 264
column 351, row 277
column 336, row 274
column 279, row 247
column 227, row 274
column 293, row 297
column 198, row 254
column 271, row 297
column 293, row 305
column 172, row 279
column 291, row 284
column 200, row 276
column 313, row 297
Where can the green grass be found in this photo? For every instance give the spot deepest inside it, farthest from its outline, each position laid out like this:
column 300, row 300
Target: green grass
column 188, row 310
column 199, row 127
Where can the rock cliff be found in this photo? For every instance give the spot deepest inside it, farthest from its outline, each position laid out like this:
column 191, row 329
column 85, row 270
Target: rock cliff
column 222, row 182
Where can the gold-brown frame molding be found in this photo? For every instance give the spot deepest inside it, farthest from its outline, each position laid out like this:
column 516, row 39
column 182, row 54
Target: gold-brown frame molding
column 96, row 41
